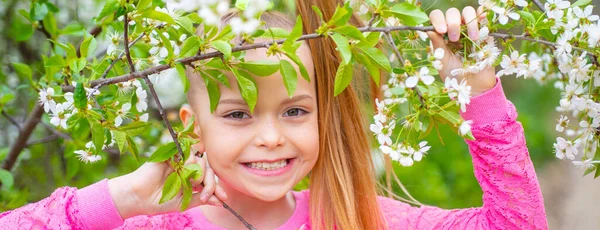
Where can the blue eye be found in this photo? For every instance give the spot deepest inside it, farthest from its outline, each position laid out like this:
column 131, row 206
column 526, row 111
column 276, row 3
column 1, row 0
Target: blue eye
column 294, row 112
column 237, row 115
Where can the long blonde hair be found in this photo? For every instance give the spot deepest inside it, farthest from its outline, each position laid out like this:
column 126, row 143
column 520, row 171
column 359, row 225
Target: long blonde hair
column 342, row 184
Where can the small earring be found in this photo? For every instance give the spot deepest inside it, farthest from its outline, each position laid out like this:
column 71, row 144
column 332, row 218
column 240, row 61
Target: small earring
column 199, row 154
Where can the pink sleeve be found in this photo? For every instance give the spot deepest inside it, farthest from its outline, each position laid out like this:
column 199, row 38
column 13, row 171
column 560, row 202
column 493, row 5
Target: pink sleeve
column 67, row 208
column 512, row 198
column 91, row 207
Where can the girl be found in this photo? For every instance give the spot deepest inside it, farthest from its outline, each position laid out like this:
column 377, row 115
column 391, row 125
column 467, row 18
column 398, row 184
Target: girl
column 259, row 157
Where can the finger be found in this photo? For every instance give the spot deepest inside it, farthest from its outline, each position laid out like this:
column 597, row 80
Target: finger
column 453, row 20
column 470, row 18
column 220, row 193
column 438, row 21
column 209, row 185
column 213, row 200
column 437, row 40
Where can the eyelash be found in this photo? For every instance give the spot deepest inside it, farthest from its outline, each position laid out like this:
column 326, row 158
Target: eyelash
column 301, row 112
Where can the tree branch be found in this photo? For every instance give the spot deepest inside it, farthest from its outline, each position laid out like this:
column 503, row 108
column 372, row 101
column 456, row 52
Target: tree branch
column 12, row 120
column 21, row 142
column 391, row 42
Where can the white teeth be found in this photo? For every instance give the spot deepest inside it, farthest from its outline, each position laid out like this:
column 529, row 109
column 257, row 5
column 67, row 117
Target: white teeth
column 267, row 166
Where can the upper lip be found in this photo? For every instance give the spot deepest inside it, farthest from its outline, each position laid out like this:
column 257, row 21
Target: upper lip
column 269, row 161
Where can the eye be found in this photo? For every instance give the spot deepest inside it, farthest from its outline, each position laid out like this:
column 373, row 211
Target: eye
column 294, row 112
column 237, row 115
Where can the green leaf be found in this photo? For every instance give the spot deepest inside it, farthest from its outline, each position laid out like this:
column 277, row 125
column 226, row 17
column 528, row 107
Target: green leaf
column 143, row 4
column 294, row 35
column 77, row 64
column 20, row 30
column 581, row 3
column 87, row 46
column 171, row 187
column 318, row 11
column 110, row 7
column 276, row 33
column 452, row 117
column 187, row 24
column 372, row 69
column 527, row 16
column 97, row 135
column 158, row 15
column 80, row 97
column 350, row 31
column 164, row 153
column 195, row 171
column 222, row 46
column 190, row 47
column 23, row 71
column 343, row 77
column 133, row 148
column 290, row 77
column 219, row 76
column 377, row 57
column 409, row 14
column 167, row 43
column 49, row 23
column 38, row 11
column 135, row 128
column 182, row 76
column 343, row 47
column 241, row 4
column 247, row 88
column 121, row 139
column 262, row 68
column 341, row 15
column 187, row 195
column 296, row 59
column 6, row 178
column 214, row 94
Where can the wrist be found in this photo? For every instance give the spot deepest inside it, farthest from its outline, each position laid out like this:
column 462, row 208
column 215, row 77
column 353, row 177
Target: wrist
column 123, row 196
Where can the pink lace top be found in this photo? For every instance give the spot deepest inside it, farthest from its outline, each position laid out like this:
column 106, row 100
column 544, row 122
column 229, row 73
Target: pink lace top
column 511, row 194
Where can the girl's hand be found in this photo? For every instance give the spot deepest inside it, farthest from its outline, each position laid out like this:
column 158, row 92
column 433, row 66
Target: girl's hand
column 451, row 24
column 139, row 192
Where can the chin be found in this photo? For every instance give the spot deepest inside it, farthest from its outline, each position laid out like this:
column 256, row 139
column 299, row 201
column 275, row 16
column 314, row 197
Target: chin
column 270, row 193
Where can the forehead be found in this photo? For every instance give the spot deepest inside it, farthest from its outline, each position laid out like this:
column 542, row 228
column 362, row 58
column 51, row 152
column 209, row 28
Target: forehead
column 271, row 89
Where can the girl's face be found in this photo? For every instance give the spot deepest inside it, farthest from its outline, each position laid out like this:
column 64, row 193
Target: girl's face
column 263, row 154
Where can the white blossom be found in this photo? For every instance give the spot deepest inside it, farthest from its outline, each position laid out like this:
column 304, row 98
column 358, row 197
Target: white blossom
column 141, row 105
column 564, row 148
column 122, row 114
column 47, row 99
column 465, row 127
column 60, row 117
column 461, row 92
column 586, row 164
column 586, row 13
column 423, row 148
column 555, row 6
column 513, row 64
column 87, row 156
column 563, row 121
column 422, row 75
column 504, row 14
column 239, row 26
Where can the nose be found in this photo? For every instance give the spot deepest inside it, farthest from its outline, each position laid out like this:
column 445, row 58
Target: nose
column 269, row 134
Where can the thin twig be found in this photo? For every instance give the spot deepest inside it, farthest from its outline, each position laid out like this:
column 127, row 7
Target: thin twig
column 43, row 140
column 12, row 120
column 161, row 110
column 189, row 60
column 539, row 5
column 248, row 226
column 56, row 132
column 391, row 42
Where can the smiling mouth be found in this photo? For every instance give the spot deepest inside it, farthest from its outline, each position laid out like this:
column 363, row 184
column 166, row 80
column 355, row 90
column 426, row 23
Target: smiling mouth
column 268, row 166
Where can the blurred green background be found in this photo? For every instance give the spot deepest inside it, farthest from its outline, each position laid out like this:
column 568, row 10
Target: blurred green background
column 444, row 178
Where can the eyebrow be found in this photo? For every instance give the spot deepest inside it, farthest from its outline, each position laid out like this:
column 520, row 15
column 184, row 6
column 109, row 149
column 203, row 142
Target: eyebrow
column 286, row 101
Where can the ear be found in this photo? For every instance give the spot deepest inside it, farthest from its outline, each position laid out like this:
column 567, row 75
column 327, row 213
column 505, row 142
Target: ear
column 186, row 114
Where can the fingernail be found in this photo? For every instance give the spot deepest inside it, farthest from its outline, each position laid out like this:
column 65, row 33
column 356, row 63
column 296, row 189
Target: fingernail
column 453, row 37
column 204, row 197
